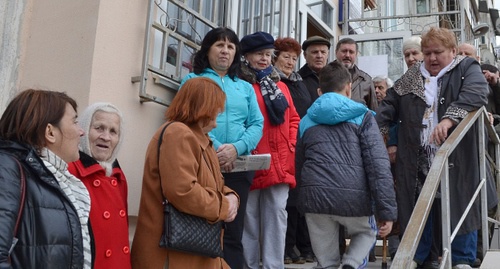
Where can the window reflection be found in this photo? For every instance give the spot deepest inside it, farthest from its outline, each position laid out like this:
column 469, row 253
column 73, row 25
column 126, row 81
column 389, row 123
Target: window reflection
column 178, row 31
column 422, row 6
column 323, row 10
column 260, row 15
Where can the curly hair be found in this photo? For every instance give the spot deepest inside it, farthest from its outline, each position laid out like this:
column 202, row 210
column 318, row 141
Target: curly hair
column 287, row 44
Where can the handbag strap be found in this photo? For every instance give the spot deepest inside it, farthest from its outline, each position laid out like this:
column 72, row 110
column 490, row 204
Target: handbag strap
column 23, row 195
column 21, row 204
column 160, row 140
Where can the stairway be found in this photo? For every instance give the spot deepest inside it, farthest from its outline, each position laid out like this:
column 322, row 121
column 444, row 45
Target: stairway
column 491, row 259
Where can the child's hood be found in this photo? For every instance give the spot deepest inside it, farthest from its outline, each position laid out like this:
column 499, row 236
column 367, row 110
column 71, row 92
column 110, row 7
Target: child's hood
column 333, row 108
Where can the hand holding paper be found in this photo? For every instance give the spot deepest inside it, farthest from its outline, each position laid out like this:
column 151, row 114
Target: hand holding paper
column 252, row 162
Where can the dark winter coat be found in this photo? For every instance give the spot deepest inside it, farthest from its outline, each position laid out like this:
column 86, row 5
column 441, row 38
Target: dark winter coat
column 49, row 232
column 300, row 95
column 342, row 165
column 302, row 101
column 311, row 80
column 463, row 89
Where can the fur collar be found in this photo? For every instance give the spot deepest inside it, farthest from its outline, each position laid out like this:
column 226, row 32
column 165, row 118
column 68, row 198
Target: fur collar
column 413, row 82
column 249, row 75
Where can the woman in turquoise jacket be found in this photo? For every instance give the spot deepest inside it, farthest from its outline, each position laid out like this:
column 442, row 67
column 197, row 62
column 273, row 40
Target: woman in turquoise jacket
column 239, row 127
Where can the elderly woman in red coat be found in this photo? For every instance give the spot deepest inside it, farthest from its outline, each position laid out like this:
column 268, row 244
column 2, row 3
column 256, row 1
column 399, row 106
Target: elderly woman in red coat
column 100, row 172
column 266, row 217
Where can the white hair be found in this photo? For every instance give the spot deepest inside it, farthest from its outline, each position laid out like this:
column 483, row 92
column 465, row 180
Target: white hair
column 86, row 119
column 387, row 80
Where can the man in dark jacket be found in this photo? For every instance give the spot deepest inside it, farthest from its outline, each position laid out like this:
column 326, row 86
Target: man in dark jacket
column 347, row 174
column 363, row 91
column 316, row 49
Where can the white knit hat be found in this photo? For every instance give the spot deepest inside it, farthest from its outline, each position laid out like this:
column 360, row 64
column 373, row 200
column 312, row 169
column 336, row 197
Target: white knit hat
column 85, row 120
column 413, row 42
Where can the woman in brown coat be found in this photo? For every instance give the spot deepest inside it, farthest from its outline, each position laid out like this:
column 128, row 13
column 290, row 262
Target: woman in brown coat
column 190, row 176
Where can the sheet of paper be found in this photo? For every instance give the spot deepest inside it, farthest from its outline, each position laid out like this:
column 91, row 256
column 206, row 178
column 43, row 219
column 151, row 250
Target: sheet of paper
column 375, row 65
column 252, row 162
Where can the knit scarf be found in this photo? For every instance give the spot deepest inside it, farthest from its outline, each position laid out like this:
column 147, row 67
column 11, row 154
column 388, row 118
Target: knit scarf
column 430, row 118
column 294, row 76
column 274, row 99
column 76, row 192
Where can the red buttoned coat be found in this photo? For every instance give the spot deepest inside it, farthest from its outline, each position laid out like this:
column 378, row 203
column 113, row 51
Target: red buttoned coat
column 108, row 212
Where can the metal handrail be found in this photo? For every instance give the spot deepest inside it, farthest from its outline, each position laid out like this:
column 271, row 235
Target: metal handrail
column 438, row 173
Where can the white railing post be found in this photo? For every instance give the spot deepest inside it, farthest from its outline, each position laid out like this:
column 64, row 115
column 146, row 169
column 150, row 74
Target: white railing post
column 445, row 214
column 482, row 174
column 439, row 174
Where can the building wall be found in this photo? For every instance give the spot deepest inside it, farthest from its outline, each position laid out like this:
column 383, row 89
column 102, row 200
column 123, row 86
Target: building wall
column 11, row 17
column 91, row 49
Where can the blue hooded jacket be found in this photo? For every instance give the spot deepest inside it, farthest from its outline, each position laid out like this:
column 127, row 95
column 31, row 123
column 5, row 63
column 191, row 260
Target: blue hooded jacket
column 333, row 108
column 241, row 122
column 342, row 166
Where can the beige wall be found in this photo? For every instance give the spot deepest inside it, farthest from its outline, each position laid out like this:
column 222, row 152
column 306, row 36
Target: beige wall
column 91, row 49
column 11, row 17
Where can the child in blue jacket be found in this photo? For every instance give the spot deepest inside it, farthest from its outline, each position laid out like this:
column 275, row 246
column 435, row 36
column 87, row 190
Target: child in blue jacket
column 343, row 173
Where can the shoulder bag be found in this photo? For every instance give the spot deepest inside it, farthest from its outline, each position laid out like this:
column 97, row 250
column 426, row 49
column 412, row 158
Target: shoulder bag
column 185, row 232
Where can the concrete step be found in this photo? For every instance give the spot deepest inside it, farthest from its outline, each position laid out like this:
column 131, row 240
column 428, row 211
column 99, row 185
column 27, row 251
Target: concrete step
column 491, row 260
column 371, row 265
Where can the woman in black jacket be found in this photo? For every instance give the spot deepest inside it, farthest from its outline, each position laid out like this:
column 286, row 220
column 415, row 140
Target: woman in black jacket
column 39, row 130
column 428, row 102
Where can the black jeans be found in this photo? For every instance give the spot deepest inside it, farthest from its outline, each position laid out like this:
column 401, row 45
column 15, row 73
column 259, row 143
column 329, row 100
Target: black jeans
column 239, row 182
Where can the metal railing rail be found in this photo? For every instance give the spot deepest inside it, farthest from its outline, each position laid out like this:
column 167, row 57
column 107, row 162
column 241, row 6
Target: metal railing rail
column 438, row 174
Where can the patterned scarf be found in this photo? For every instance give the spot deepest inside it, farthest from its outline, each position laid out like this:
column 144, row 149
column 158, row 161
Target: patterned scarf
column 294, row 76
column 274, row 99
column 76, row 192
column 430, row 119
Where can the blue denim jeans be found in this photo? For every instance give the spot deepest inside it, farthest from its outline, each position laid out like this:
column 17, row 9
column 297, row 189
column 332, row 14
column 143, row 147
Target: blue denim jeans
column 463, row 247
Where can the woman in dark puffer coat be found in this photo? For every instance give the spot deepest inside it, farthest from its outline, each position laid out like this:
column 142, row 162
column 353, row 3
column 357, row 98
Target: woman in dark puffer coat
column 39, row 129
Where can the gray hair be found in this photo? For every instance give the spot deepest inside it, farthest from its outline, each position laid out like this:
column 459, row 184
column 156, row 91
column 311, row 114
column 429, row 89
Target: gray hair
column 86, row 119
column 387, row 80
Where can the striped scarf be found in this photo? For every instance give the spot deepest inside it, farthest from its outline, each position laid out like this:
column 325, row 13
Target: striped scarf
column 76, row 192
column 274, row 99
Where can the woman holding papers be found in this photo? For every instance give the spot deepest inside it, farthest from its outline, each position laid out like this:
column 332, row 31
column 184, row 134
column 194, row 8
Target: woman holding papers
column 239, row 126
